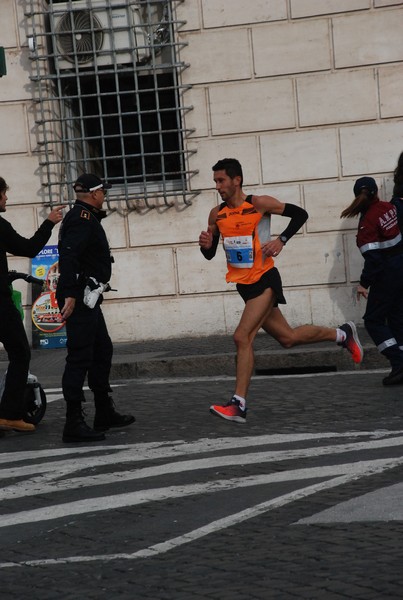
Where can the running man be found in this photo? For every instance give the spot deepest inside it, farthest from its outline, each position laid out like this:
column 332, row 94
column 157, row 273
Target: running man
column 243, row 222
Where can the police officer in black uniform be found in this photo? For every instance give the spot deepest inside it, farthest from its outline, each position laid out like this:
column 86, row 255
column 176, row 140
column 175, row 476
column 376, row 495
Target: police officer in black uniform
column 85, row 266
column 12, row 332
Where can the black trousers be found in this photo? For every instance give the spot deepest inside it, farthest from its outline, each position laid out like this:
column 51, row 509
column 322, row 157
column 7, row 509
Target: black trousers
column 383, row 317
column 89, row 354
column 15, row 341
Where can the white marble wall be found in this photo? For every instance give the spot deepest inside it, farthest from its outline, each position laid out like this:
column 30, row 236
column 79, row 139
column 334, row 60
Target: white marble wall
column 306, row 93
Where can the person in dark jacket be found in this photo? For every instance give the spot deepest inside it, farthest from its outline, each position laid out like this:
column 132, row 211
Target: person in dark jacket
column 12, row 332
column 85, row 266
column 397, row 198
column 398, row 177
column 380, row 242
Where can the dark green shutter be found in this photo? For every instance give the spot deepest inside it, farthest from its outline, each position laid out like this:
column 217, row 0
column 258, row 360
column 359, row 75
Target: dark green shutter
column 3, row 68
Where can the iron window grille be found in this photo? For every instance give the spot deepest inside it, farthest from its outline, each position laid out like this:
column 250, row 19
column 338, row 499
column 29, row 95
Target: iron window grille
column 108, row 98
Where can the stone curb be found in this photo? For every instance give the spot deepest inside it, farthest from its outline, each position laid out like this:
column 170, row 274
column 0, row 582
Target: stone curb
column 266, row 363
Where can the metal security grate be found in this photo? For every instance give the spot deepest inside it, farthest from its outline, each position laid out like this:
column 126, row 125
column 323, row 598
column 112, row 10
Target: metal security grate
column 108, row 98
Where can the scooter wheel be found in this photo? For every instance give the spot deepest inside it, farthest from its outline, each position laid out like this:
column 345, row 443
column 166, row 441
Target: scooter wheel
column 34, row 413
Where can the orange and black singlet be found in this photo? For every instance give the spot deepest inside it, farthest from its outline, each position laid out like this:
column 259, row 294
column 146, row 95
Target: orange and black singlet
column 244, row 230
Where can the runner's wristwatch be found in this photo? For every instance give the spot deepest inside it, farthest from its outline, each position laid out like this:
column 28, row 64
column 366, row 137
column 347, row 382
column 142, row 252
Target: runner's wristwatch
column 284, row 239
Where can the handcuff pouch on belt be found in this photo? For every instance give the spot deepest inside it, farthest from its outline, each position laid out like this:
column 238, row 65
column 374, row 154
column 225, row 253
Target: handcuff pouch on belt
column 92, row 291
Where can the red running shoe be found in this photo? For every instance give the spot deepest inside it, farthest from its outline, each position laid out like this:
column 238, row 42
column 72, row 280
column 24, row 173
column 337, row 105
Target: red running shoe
column 352, row 342
column 230, row 411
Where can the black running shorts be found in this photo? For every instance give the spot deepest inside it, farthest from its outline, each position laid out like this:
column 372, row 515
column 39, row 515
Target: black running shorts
column 270, row 279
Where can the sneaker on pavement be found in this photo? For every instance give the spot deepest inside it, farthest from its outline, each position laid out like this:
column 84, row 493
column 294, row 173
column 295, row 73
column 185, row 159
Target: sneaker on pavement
column 395, row 377
column 352, row 342
column 16, row 425
column 230, row 411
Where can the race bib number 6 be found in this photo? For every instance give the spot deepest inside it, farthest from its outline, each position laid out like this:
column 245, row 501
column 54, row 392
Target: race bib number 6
column 239, row 251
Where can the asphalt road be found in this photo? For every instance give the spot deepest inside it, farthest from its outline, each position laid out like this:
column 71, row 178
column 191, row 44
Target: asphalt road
column 302, row 502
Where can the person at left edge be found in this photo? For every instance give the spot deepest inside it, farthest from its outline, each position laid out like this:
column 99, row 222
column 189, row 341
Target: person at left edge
column 12, row 332
column 83, row 254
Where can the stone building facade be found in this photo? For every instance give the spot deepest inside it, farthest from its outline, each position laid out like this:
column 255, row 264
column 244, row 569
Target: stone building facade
column 307, row 94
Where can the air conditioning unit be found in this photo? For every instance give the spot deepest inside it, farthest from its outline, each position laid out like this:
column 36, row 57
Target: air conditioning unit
column 97, row 32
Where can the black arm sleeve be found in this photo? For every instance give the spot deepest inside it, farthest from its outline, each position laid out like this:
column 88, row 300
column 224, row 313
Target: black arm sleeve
column 210, row 253
column 16, row 244
column 298, row 217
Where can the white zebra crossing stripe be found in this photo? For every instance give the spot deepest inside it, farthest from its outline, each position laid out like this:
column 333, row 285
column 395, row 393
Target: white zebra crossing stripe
column 47, row 475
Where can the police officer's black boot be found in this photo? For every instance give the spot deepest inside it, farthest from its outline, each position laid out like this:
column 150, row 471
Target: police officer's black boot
column 395, row 357
column 106, row 415
column 76, row 429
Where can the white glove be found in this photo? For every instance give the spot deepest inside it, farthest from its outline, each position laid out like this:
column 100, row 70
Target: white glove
column 93, row 290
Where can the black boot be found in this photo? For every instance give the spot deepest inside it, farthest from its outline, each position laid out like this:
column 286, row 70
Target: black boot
column 106, row 415
column 395, row 377
column 77, row 430
column 395, row 356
